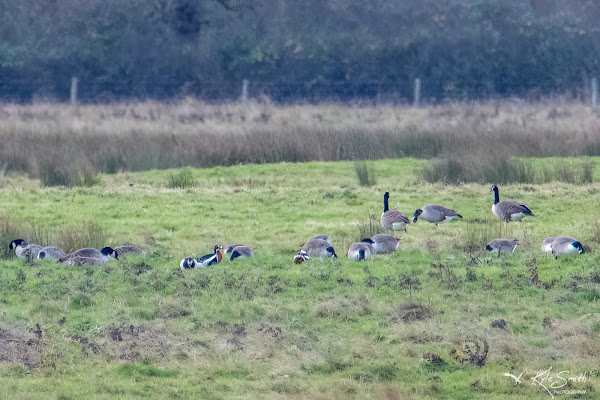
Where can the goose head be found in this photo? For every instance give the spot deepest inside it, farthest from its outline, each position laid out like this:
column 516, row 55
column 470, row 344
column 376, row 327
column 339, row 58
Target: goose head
column 416, row 216
column 218, row 248
column 108, row 251
column 368, row 240
column 300, row 257
column 15, row 243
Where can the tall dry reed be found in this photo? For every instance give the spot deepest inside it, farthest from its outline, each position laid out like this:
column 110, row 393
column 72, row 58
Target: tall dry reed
column 46, row 139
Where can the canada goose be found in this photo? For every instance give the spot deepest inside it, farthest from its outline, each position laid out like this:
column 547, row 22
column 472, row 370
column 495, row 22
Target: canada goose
column 360, row 251
column 241, row 252
column 318, row 248
column 382, row 243
column 52, row 253
column 547, row 243
column 89, row 256
column 502, row 245
column 392, row 220
column 566, row 245
column 230, row 248
column 204, row 261
column 129, row 248
column 23, row 250
column 435, row 214
column 508, row 210
column 300, row 257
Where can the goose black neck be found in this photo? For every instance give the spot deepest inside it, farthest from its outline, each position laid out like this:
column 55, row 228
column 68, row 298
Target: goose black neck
column 496, row 196
column 385, row 204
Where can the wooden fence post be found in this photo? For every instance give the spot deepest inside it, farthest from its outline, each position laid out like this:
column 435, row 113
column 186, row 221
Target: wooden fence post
column 594, row 93
column 74, row 82
column 245, row 83
column 417, row 102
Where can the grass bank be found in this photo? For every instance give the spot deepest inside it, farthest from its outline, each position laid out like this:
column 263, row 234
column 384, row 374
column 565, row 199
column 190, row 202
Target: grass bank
column 267, row 328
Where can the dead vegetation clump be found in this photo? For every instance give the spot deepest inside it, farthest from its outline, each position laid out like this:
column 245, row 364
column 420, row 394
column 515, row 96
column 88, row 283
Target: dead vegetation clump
column 21, row 346
column 411, row 312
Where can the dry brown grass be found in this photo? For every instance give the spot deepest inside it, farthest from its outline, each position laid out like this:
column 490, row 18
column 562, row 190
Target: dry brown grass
column 39, row 138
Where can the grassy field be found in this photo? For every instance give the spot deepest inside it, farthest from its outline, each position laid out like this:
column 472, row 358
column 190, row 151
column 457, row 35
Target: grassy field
column 395, row 327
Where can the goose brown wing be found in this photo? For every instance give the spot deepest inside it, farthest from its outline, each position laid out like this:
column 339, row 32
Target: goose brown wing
column 512, row 207
column 396, row 216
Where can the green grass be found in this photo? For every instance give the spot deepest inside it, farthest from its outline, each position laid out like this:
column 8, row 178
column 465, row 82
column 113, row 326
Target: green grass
column 267, row 328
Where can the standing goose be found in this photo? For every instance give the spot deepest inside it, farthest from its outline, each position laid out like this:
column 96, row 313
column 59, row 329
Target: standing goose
column 360, row 251
column 392, row 220
column 509, row 210
column 204, row 261
column 435, row 214
column 566, row 245
column 23, row 250
column 89, row 256
column 382, row 243
column 502, row 245
column 241, row 252
column 52, row 253
column 318, row 248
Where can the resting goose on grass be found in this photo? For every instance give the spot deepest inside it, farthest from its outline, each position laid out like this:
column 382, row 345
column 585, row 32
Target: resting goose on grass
column 435, row 214
column 204, row 261
column 318, row 248
column 502, row 245
column 360, row 251
column 129, row 248
column 382, row 243
column 392, row 220
column 23, row 250
column 89, row 256
column 509, row 210
column 51, row 253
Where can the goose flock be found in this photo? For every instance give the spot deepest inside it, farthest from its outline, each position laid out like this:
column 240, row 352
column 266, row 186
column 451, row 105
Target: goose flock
column 321, row 245
column 82, row 257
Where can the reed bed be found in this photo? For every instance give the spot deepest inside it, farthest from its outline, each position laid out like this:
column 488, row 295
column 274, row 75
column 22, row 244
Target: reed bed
column 66, row 146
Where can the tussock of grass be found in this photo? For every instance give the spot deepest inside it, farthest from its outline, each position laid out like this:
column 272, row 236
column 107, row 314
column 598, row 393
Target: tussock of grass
column 364, row 173
column 180, row 180
column 85, row 234
column 502, row 169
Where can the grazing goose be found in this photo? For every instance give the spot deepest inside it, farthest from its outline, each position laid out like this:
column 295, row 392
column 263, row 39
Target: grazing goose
column 502, row 245
column 435, row 214
column 318, row 248
column 360, row 251
column 300, row 257
column 230, row 248
column 508, row 210
column 89, row 256
column 204, row 261
column 382, row 243
column 566, row 245
column 52, row 253
column 23, row 250
column 392, row 220
column 241, row 252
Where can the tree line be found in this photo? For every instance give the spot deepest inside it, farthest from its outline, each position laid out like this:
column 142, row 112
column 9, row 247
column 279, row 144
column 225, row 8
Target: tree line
column 292, row 50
